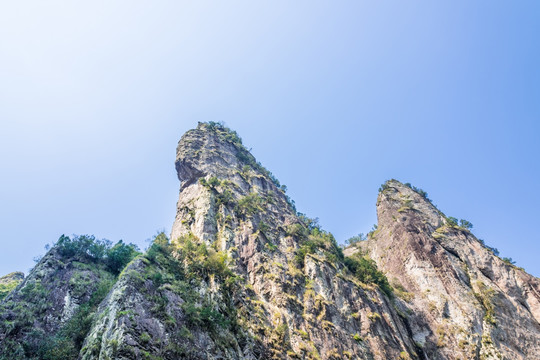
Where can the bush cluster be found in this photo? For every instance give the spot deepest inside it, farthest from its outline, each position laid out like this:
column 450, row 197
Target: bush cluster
column 312, row 239
column 419, row 191
column 88, row 247
column 365, row 270
column 356, row 239
column 189, row 263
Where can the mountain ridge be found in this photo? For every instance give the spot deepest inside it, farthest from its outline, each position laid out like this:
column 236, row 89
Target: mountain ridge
column 243, row 275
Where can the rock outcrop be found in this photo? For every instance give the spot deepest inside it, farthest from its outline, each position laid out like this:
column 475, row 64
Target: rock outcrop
column 46, row 316
column 466, row 302
column 291, row 295
column 244, row 276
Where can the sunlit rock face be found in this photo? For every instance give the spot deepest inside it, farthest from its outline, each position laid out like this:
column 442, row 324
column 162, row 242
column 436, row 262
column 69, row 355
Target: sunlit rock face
column 466, row 302
column 308, row 309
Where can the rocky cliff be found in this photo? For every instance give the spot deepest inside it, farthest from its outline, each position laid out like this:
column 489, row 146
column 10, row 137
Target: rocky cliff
column 467, row 302
column 244, row 276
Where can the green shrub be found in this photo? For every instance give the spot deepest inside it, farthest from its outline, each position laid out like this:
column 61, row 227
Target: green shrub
column 297, row 231
column 7, row 287
column 365, row 270
column 419, row 191
column 508, row 260
column 313, row 239
column 356, row 239
column 263, row 227
column 88, row 247
column 145, row 338
column 120, row 255
column 249, row 204
column 465, row 224
column 451, row 221
column 224, row 198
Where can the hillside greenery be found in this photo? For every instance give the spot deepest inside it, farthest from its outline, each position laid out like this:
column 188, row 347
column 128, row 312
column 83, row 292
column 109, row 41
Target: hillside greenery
column 87, row 247
column 93, row 267
column 8, row 285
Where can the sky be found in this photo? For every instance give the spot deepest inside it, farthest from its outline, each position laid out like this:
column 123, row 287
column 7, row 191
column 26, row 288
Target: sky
column 333, row 97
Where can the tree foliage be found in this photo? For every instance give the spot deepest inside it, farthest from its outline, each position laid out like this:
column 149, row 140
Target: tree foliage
column 365, row 270
column 88, row 247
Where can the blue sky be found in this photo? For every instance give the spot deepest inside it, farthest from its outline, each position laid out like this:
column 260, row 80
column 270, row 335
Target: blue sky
column 333, row 97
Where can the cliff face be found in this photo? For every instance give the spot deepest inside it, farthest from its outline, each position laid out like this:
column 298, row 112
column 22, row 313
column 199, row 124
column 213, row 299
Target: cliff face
column 274, row 282
column 467, row 302
column 244, row 276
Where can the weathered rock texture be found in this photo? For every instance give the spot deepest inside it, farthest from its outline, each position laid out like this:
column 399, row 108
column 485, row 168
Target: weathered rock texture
column 244, row 276
column 466, row 302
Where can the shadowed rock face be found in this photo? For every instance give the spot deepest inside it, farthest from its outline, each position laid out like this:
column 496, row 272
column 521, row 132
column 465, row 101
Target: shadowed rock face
column 243, row 276
column 467, row 302
column 45, row 301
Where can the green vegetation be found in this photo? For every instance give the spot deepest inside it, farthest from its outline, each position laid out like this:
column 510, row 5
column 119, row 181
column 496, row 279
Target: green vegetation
column 186, row 265
column 356, row 239
column 87, row 247
column 223, row 195
column 492, row 249
column 68, row 341
column 373, row 231
column 312, row 239
column 33, row 302
column 94, row 265
column 249, row 205
column 224, row 132
column 404, row 356
column 245, row 157
column 365, row 270
column 508, row 260
column 462, row 224
column 419, row 191
column 384, row 187
column 200, row 274
column 485, row 296
column 465, row 224
column 7, row 286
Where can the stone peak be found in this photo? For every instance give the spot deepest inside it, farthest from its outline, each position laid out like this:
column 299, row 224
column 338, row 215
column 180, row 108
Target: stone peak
column 214, row 150
column 400, row 198
column 211, row 149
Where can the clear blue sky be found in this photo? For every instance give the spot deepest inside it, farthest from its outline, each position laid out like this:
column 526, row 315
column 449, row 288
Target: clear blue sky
column 333, row 97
